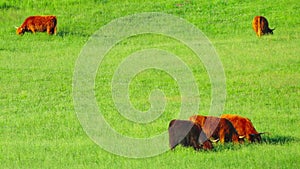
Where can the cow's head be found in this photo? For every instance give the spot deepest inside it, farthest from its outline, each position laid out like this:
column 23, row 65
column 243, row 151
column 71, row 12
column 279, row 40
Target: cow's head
column 20, row 31
column 270, row 31
column 207, row 145
column 255, row 137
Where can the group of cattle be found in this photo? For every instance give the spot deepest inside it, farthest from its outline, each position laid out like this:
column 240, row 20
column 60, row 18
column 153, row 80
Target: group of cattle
column 200, row 131
column 48, row 23
column 186, row 132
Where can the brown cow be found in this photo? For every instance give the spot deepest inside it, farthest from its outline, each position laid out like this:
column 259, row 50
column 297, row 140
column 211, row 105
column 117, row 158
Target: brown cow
column 38, row 24
column 261, row 26
column 244, row 127
column 218, row 128
column 187, row 133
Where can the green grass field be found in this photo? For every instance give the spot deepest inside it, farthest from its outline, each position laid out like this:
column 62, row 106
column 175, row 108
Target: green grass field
column 39, row 127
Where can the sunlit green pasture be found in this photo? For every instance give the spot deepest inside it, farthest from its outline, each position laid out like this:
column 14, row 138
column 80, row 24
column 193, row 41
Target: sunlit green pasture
column 38, row 123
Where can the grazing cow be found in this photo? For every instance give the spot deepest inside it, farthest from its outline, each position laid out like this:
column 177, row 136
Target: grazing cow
column 261, row 26
column 38, row 24
column 187, row 133
column 244, row 127
column 218, row 128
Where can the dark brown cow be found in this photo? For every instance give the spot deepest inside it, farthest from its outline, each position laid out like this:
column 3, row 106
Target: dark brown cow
column 187, row 133
column 38, row 24
column 218, row 128
column 244, row 127
column 261, row 26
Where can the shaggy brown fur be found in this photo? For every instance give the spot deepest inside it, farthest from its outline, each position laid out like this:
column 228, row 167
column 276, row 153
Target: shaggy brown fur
column 187, row 133
column 217, row 128
column 38, row 24
column 261, row 26
column 244, row 127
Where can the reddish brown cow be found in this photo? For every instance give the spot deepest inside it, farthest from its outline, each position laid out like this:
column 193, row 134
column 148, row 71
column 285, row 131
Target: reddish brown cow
column 38, row 24
column 187, row 133
column 244, row 127
column 218, row 128
column 261, row 26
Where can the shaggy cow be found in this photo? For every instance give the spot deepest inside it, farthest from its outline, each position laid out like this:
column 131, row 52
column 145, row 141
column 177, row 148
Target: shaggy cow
column 244, row 127
column 218, row 128
column 187, row 133
column 38, row 24
column 261, row 26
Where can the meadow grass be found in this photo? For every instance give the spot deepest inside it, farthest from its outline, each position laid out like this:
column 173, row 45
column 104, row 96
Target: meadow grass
column 38, row 124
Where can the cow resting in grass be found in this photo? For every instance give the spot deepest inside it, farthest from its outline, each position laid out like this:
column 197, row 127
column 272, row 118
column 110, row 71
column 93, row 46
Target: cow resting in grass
column 187, row 134
column 244, row 127
column 38, row 24
column 261, row 26
column 218, row 128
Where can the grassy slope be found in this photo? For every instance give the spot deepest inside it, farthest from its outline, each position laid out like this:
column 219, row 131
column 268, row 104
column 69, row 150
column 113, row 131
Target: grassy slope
column 38, row 125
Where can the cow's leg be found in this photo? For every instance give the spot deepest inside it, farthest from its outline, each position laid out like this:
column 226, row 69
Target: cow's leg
column 49, row 30
column 32, row 29
column 195, row 144
column 259, row 32
column 172, row 142
column 222, row 137
column 172, row 146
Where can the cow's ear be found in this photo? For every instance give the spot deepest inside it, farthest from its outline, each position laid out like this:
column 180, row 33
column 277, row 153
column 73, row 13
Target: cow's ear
column 253, row 136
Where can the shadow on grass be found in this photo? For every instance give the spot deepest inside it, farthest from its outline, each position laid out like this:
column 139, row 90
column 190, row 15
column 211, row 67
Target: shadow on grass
column 279, row 139
column 227, row 146
column 273, row 140
column 217, row 148
column 67, row 33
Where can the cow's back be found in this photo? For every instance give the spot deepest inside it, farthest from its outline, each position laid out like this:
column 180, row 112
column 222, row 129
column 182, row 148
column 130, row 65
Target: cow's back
column 209, row 125
column 264, row 25
column 217, row 128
